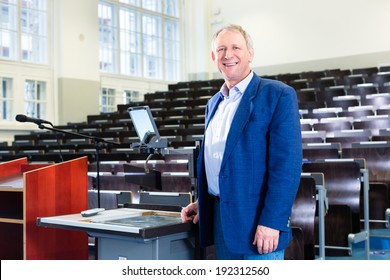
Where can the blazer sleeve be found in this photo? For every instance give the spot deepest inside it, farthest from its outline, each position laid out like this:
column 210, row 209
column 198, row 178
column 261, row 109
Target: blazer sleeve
column 285, row 161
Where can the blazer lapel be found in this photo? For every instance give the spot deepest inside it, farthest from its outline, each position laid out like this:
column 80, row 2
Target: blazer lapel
column 241, row 117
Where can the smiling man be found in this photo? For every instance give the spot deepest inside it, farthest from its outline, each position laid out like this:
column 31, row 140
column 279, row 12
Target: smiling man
column 250, row 160
column 232, row 54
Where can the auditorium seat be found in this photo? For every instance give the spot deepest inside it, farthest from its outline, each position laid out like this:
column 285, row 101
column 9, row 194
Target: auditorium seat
column 312, row 75
column 362, row 90
column 310, row 105
column 366, row 71
column 334, row 110
column 299, row 84
column 346, row 141
column 329, row 93
column 376, row 100
column 357, row 112
column 296, row 247
column 379, row 201
column 379, row 79
column 306, row 95
column 349, row 81
column 319, row 115
column 380, row 138
column 7, row 152
column 343, row 187
column 312, row 136
column 288, row 77
column 383, row 111
column 303, row 217
column 384, row 68
column 315, row 151
column 25, row 139
column 384, row 131
column 344, row 102
column 385, row 88
column 306, row 127
column 330, row 127
column 322, row 83
column 337, row 73
column 377, row 156
column 347, row 137
column 100, row 118
column 373, row 123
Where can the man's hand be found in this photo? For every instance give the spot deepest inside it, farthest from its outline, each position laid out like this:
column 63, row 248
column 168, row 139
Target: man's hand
column 190, row 213
column 266, row 239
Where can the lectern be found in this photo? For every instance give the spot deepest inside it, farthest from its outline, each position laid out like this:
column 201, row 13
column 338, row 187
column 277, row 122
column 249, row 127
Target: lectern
column 31, row 190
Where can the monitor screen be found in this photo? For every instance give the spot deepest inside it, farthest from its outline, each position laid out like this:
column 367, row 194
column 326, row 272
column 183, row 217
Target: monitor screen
column 143, row 123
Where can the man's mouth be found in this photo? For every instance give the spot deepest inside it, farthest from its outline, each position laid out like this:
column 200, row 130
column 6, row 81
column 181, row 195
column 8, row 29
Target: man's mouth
column 230, row 64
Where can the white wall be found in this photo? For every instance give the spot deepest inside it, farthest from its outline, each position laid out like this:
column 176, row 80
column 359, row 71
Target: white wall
column 76, row 37
column 303, row 35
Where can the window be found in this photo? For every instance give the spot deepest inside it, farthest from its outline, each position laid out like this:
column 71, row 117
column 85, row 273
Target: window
column 172, row 50
column 140, row 38
column 130, row 96
column 9, row 30
column 24, row 30
column 107, row 31
column 107, row 100
column 6, row 99
column 130, row 43
column 35, row 98
column 34, row 31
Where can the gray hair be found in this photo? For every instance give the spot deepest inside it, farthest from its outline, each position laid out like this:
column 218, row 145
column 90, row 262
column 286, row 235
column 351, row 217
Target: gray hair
column 234, row 28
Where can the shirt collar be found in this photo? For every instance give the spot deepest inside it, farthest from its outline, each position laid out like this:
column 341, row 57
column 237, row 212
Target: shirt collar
column 239, row 88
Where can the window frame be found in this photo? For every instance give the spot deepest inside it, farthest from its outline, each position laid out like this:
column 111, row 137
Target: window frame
column 155, row 65
column 27, row 32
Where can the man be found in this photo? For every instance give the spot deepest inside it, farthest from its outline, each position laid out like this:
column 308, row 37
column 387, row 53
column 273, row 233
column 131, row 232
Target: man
column 250, row 161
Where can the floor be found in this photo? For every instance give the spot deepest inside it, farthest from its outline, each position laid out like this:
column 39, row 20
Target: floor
column 379, row 247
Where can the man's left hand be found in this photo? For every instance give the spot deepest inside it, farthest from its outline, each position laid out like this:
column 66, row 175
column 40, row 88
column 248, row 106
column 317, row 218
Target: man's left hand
column 266, row 239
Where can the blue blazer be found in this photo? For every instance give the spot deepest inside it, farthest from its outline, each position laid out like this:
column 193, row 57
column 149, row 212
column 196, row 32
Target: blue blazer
column 261, row 167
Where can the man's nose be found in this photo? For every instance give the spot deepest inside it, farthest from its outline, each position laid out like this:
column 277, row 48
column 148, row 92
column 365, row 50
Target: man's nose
column 227, row 54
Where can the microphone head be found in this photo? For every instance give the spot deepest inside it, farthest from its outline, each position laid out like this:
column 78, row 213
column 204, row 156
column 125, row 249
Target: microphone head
column 21, row 118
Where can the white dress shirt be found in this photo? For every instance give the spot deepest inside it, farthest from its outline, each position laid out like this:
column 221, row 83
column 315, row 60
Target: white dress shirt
column 218, row 130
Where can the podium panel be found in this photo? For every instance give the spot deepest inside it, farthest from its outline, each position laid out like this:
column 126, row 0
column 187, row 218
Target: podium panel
column 31, row 190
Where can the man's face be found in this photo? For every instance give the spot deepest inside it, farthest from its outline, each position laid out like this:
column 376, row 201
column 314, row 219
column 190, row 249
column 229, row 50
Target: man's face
column 232, row 57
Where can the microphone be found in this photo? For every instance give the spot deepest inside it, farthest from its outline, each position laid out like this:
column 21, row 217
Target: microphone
column 24, row 118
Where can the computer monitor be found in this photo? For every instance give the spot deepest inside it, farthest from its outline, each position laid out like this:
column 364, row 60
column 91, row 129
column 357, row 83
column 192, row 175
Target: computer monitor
column 146, row 128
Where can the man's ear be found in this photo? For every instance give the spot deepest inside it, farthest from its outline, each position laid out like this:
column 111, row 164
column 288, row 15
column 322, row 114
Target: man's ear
column 213, row 56
column 251, row 54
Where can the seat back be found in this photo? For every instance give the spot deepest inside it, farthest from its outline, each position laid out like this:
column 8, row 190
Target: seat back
column 342, row 183
column 343, row 187
column 377, row 156
column 303, row 213
column 379, row 197
column 315, row 151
